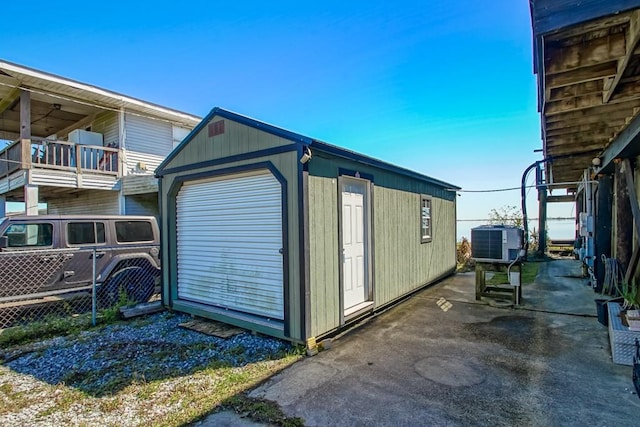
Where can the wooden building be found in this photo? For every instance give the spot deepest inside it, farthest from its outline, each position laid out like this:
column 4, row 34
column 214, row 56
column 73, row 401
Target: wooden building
column 289, row 236
column 587, row 60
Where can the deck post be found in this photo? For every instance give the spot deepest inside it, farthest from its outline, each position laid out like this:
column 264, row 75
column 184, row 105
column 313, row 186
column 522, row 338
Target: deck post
column 31, row 199
column 25, row 115
column 624, row 218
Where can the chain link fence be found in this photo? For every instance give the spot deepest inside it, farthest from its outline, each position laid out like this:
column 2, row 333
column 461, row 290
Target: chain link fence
column 39, row 284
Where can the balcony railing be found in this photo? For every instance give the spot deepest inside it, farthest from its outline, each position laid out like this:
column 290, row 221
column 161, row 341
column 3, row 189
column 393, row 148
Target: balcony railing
column 60, row 155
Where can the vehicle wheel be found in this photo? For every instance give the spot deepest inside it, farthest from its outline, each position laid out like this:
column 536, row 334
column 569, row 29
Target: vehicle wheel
column 134, row 281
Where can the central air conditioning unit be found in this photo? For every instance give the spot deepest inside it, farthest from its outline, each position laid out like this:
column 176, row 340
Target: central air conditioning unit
column 85, row 137
column 496, row 243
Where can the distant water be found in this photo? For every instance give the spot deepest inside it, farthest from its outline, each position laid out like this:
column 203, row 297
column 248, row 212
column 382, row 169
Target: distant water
column 556, row 228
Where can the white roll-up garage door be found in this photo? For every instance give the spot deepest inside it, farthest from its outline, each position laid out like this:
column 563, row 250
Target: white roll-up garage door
column 229, row 243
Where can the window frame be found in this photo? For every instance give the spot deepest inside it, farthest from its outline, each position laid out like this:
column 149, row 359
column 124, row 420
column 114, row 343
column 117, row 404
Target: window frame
column 95, row 233
column 426, row 238
column 128, row 223
column 25, row 225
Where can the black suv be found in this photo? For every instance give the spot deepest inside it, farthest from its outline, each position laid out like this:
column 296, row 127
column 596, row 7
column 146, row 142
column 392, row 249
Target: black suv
column 48, row 256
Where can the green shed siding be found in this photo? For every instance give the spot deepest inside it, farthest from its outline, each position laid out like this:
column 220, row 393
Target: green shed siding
column 323, row 254
column 191, row 156
column 401, row 263
column 236, row 139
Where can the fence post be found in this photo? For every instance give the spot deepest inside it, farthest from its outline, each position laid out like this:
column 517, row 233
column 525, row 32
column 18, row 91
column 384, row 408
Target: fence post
column 94, row 304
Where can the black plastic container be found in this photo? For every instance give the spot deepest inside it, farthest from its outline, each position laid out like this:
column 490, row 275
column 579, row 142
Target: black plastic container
column 601, row 309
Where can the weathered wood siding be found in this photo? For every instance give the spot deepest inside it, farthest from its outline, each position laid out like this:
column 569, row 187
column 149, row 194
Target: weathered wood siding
column 401, row 263
column 553, row 15
column 238, row 139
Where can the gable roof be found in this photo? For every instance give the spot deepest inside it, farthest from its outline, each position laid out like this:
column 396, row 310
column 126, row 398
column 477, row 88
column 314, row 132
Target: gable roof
column 299, row 139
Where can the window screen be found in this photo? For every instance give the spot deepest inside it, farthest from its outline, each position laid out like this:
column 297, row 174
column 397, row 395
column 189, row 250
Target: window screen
column 134, row 231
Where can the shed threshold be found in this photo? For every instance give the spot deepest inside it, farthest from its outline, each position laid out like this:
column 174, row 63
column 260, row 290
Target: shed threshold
column 358, row 308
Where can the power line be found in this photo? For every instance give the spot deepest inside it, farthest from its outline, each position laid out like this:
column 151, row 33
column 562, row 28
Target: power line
column 557, row 218
column 496, row 190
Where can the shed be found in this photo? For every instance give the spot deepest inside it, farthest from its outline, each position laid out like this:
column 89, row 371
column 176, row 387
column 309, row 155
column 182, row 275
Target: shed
column 285, row 235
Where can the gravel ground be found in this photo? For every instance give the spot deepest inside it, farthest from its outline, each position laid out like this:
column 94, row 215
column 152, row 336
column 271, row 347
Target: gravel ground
column 98, row 364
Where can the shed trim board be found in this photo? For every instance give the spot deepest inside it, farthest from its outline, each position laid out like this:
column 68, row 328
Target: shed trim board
column 281, row 322
column 305, row 275
column 231, row 159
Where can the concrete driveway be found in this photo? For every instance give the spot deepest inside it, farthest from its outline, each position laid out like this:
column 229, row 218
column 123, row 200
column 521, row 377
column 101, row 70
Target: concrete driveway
column 545, row 364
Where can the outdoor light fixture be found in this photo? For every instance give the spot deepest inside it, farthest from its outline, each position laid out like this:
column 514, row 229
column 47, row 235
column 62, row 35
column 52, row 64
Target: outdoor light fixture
column 595, row 161
column 306, row 155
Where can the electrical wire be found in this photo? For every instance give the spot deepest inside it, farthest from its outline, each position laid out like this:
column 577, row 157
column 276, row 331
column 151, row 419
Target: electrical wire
column 496, row 190
column 613, row 277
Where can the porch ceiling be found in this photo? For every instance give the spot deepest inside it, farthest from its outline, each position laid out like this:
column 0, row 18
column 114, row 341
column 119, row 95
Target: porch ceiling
column 49, row 114
column 589, row 80
column 60, row 105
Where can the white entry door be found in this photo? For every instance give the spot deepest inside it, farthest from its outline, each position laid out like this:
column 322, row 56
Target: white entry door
column 354, row 242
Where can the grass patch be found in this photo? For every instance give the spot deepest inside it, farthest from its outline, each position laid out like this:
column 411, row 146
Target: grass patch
column 529, row 273
column 56, row 325
column 209, row 390
column 47, row 328
column 261, row 411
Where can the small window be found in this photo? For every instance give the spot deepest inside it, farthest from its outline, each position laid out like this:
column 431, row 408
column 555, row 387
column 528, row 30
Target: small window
column 29, row 235
column 85, row 233
column 425, row 219
column 134, row 231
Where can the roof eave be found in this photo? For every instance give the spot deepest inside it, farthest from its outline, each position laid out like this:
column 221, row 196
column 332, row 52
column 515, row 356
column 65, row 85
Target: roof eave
column 119, row 100
column 370, row 161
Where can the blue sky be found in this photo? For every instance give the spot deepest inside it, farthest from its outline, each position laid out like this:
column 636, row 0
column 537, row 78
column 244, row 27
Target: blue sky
column 445, row 88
